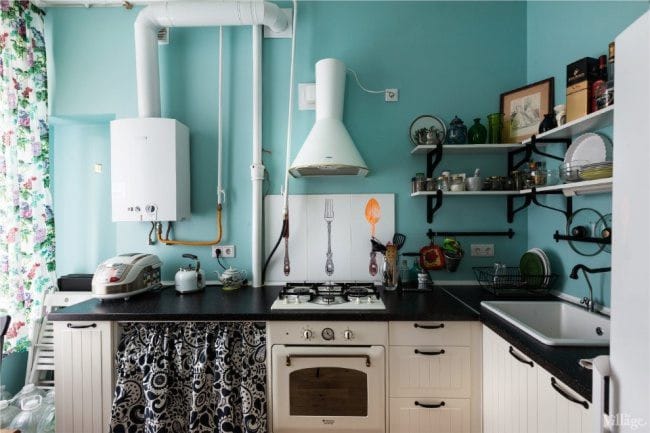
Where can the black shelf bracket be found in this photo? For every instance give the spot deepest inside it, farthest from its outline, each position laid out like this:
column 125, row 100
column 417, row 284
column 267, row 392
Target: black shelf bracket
column 560, row 237
column 431, row 207
column 531, row 197
column 531, row 148
column 431, row 234
column 433, row 159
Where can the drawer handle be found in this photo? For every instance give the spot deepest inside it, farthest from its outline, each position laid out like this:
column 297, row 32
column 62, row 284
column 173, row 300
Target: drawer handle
column 430, row 406
column 417, row 325
column 566, row 395
column 519, row 358
column 419, row 352
column 71, row 326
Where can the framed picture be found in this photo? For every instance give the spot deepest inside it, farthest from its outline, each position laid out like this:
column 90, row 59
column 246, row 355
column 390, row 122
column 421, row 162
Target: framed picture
column 524, row 109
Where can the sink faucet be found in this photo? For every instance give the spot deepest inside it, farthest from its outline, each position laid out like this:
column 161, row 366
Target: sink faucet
column 588, row 302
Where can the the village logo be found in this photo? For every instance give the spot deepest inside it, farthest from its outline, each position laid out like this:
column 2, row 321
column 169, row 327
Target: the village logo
column 328, row 421
column 624, row 419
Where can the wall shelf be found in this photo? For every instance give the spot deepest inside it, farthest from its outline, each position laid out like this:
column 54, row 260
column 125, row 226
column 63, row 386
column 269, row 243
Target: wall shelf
column 454, row 149
column 466, row 193
column 591, row 122
column 577, row 188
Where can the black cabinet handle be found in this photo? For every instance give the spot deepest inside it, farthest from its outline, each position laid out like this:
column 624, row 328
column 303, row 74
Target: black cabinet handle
column 440, row 352
column 417, row 325
column 518, row 358
column 71, row 326
column 430, row 406
column 569, row 397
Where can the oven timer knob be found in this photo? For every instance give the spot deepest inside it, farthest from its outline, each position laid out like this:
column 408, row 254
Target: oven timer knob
column 328, row 334
column 307, row 334
column 347, row 334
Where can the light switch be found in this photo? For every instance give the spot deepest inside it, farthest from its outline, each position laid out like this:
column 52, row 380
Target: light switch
column 306, row 96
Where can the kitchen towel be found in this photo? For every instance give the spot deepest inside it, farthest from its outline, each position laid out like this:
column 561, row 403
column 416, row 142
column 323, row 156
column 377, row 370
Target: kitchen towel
column 192, row 377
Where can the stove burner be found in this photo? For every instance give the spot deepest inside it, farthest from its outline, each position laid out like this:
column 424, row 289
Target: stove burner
column 358, row 292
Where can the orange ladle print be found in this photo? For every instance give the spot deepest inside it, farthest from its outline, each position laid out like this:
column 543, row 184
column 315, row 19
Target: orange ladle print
column 373, row 213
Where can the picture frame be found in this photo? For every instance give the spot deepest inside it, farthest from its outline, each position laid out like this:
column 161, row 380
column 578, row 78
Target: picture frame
column 524, row 108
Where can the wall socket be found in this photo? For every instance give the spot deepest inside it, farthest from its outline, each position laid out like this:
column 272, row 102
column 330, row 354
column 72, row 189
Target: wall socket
column 482, row 250
column 227, row 251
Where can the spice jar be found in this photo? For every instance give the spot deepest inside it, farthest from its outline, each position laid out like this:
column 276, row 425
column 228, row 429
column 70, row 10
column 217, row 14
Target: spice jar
column 457, row 184
column 431, row 184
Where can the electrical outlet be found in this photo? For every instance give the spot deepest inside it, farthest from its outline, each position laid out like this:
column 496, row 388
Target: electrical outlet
column 391, row 95
column 227, row 251
column 482, row 250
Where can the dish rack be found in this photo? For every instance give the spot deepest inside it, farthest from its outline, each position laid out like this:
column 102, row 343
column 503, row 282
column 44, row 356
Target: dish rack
column 509, row 281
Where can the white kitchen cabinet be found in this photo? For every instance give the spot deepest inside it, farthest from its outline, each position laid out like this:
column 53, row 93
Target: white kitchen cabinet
column 557, row 413
column 427, row 415
column 509, row 388
column 430, row 363
column 520, row 398
column 83, row 357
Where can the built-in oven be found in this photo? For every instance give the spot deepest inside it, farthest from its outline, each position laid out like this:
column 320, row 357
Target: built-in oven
column 328, row 377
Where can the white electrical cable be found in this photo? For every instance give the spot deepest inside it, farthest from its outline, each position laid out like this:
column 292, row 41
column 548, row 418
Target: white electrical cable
column 220, row 191
column 356, row 77
column 285, row 210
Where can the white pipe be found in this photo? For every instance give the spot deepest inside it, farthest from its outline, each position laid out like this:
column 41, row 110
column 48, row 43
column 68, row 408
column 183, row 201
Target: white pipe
column 285, row 210
column 257, row 168
column 220, row 191
column 188, row 14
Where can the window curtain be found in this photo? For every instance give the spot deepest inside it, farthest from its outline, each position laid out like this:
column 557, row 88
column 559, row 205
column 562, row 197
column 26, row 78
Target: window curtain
column 191, row 378
column 26, row 222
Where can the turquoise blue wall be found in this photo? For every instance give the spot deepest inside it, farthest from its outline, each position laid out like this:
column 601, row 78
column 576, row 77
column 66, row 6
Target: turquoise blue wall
column 436, row 53
column 558, row 34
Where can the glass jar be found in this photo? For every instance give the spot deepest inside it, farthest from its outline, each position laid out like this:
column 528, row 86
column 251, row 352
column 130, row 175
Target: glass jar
column 457, row 133
column 431, row 184
column 457, row 184
column 495, row 124
column 442, row 184
column 477, row 134
column 7, row 413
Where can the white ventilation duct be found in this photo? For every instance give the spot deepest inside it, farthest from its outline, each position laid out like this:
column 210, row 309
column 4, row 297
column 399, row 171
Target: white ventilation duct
column 189, row 14
column 329, row 149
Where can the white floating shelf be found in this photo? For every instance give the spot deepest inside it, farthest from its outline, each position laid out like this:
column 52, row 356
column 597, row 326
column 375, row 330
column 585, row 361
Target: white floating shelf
column 578, row 188
column 591, row 122
column 452, row 149
column 466, row 193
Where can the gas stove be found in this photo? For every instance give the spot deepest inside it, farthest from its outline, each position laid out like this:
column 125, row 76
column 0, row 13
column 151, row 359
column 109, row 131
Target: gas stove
column 333, row 296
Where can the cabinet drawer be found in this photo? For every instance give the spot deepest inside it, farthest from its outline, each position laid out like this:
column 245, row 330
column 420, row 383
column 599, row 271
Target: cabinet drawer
column 429, row 415
column 421, row 371
column 430, row 333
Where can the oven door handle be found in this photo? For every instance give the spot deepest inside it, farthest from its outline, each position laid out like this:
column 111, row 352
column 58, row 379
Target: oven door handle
column 366, row 357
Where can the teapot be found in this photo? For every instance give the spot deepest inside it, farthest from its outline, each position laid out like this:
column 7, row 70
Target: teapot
column 190, row 279
column 232, row 278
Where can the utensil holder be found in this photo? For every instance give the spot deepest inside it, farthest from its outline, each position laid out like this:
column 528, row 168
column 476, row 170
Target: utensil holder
column 452, row 261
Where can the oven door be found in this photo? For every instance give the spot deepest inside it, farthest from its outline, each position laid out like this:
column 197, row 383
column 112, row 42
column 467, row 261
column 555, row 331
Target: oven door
column 333, row 389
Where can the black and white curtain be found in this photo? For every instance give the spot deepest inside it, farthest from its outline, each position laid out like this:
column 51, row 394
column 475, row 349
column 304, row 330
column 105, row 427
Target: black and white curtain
column 191, row 377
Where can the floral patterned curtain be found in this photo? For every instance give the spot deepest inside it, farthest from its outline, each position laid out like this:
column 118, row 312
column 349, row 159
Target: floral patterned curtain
column 26, row 221
column 191, row 377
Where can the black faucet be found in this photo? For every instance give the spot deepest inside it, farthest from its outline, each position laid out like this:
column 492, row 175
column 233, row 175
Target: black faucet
column 588, row 302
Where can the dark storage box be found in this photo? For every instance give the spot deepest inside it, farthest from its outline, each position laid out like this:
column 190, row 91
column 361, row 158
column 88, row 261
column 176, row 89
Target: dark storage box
column 75, row 283
column 580, row 70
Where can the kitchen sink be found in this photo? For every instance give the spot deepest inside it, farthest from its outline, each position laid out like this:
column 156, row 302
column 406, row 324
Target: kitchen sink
column 554, row 323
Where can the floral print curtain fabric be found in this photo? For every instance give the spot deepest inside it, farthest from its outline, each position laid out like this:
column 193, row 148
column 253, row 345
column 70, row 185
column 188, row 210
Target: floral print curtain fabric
column 194, row 377
column 26, row 222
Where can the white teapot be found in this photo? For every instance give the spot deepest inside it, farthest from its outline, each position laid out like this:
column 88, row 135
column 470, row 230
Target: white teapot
column 232, row 278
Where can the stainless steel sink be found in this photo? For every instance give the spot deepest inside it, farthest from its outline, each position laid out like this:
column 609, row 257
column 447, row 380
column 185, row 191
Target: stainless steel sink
column 554, row 323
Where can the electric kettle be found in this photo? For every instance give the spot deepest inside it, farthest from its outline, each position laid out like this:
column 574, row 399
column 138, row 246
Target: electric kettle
column 190, row 279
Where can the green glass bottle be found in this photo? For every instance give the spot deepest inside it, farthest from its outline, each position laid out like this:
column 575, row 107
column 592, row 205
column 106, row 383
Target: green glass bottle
column 477, row 134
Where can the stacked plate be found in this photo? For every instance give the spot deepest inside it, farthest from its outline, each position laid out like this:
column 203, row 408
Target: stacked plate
column 598, row 170
column 535, row 268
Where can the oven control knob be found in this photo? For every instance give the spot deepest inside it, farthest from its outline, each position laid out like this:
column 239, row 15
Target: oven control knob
column 307, row 334
column 328, row 334
column 347, row 334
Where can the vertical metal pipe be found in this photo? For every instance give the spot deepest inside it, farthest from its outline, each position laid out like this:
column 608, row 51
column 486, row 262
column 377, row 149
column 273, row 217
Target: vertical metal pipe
column 257, row 168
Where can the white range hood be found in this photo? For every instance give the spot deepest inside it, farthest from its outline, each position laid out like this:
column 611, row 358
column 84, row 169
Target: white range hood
column 329, row 149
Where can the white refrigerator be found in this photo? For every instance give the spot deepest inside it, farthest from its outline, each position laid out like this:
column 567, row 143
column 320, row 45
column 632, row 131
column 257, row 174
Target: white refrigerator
column 628, row 366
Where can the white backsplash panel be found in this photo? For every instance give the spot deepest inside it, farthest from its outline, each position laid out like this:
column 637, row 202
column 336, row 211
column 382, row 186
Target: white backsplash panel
column 350, row 236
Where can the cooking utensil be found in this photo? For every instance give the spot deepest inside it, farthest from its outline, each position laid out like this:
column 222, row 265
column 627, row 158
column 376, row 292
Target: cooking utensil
column 373, row 214
column 587, row 219
column 232, row 278
column 399, row 240
column 329, row 217
column 570, row 171
column 391, row 276
column 287, row 263
column 191, row 278
column 377, row 246
column 372, row 267
column 603, row 230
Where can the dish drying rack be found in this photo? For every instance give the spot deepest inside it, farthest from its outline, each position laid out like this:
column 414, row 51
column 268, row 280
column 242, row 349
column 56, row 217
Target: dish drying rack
column 509, row 281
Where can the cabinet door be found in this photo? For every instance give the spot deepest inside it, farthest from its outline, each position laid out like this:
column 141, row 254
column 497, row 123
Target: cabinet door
column 558, row 413
column 509, row 388
column 427, row 371
column 429, row 415
column 83, row 357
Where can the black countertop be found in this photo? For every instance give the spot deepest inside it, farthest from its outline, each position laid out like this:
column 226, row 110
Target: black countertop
column 450, row 303
column 254, row 304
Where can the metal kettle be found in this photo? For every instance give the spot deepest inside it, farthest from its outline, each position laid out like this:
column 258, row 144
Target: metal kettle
column 190, row 279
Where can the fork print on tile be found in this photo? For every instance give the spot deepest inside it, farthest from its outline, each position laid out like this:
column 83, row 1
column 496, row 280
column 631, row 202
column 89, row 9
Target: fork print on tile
column 329, row 217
